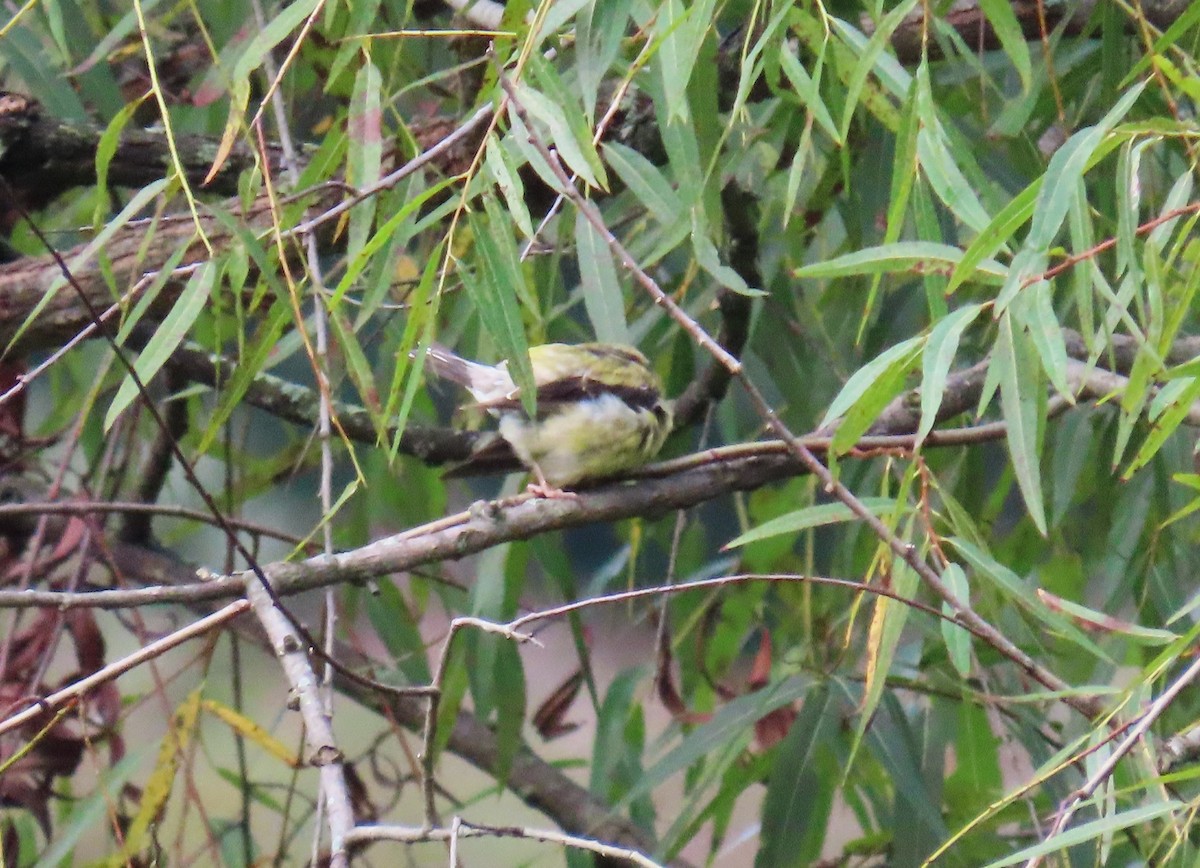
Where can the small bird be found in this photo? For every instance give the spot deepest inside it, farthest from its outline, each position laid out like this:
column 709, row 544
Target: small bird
column 600, row 409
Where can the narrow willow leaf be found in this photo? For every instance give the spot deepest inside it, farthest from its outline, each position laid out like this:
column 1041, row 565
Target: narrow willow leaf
column 510, row 707
column 252, row 731
column 1172, row 406
column 901, row 356
column 358, row 367
column 166, row 338
column 646, row 182
column 1082, row 235
column 396, row 625
column 494, row 292
column 599, row 29
column 683, row 152
column 709, row 259
column 418, row 332
column 1020, row 393
column 957, row 639
column 732, row 723
column 551, row 85
column 1004, row 23
column 1023, row 593
column 364, row 157
column 764, row 54
column 557, row 16
column 894, row 745
column 1066, row 168
column 508, row 178
column 916, row 257
column 1085, row 832
column 883, row 637
column 887, row 380
column 929, row 228
column 871, row 55
column 383, row 235
column 996, row 235
column 506, row 244
column 275, row 31
column 796, row 172
column 576, row 150
column 1180, row 193
column 1034, row 310
column 602, row 296
column 519, row 137
column 361, row 16
column 253, row 359
column 939, row 355
column 811, row 516
column 808, row 89
column 904, row 173
column 106, row 149
column 680, row 30
column 794, row 803
column 939, row 166
column 1029, row 264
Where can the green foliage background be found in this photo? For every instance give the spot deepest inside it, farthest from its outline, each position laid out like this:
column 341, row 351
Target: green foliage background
column 1030, row 206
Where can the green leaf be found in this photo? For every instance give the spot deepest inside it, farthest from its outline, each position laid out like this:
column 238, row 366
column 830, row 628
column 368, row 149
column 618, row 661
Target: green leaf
column 397, row 627
column 996, row 235
column 1034, row 310
column 364, row 157
column 599, row 30
column 819, row 515
column 1066, row 168
column 1020, row 401
column 883, row 638
column 732, row 723
column 800, row 790
column 808, row 89
column 1000, row 15
column 940, row 351
column 1022, row 592
column 904, row 173
column 166, row 338
column 1090, row 831
column 255, row 352
column 957, row 639
column 898, row 358
column 917, row 257
column 645, row 181
column 79, row 262
column 418, row 332
column 508, row 178
column 602, row 296
column 572, row 143
column 495, row 292
column 106, row 149
column 1170, row 408
column 680, row 31
column 708, row 259
column 275, row 31
column 939, row 166
column 872, row 55
column 510, row 707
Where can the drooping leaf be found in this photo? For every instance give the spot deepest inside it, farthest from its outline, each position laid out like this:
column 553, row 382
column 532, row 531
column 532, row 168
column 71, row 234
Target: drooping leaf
column 1021, row 401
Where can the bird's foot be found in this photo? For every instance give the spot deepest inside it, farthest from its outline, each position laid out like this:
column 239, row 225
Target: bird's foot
column 551, row 492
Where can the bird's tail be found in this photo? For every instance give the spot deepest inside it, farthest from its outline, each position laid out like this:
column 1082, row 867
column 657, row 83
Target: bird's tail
column 483, row 381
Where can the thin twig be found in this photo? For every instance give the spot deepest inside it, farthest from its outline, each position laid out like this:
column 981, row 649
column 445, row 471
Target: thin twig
column 119, row 667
